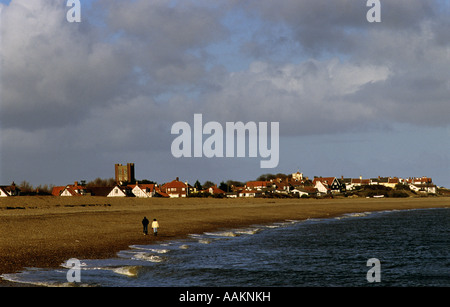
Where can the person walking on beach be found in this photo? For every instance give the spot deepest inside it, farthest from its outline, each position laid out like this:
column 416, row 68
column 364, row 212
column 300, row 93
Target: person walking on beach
column 145, row 223
column 155, row 227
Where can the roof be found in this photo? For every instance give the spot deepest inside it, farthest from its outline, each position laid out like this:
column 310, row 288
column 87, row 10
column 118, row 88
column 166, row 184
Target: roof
column 324, row 180
column 9, row 188
column 215, row 190
column 100, row 191
column 174, row 184
column 56, row 191
column 393, row 180
column 253, row 184
column 144, row 186
column 361, row 181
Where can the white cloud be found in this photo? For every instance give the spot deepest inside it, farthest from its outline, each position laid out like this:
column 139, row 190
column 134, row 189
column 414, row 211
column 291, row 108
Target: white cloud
column 311, row 97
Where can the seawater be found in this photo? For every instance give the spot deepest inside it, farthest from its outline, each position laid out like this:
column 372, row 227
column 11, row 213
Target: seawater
column 412, row 246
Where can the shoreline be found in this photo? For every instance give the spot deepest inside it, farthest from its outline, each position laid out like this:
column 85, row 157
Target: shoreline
column 46, row 231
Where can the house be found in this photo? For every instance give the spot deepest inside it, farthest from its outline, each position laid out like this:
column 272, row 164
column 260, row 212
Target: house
column 56, row 191
column 214, row 190
column 282, row 186
column 120, row 191
column 392, row 182
column 9, row 190
column 71, row 190
column 423, row 187
column 297, row 176
column 175, row 188
column 357, row 182
column 159, row 193
column 379, row 181
column 321, row 186
column 304, row 191
column 258, row 185
column 250, row 193
column 143, row 190
column 421, row 184
column 326, row 185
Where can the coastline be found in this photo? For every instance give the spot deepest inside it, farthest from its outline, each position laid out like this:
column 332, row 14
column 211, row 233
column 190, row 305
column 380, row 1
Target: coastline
column 45, row 231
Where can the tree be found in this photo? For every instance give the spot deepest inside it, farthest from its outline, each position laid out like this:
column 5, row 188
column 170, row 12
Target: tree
column 26, row 187
column 208, row 184
column 198, row 186
column 99, row 182
column 224, row 187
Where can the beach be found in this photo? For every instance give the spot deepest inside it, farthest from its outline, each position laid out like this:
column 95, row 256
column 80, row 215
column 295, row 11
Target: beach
column 45, row 231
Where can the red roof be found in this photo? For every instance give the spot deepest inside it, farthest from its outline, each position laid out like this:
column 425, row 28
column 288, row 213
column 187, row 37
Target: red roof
column 255, row 184
column 174, row 184
column 149, row 186
column 325, row 180
column 56, row 191
column 215, row 190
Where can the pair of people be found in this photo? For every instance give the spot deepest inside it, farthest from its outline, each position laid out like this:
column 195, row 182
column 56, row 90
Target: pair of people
column 155, row 226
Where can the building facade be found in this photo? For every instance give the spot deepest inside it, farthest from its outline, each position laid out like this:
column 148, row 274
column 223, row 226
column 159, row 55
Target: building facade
column 124, row 173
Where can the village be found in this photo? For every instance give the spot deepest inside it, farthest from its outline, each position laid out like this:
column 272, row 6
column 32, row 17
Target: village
column 279, row 186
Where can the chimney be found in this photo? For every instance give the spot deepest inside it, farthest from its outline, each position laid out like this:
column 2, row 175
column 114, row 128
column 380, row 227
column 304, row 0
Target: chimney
column 75, row 183
column 177, row 179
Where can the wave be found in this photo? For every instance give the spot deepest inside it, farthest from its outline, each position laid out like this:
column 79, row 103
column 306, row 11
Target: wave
column 222, row 234
column 205, row 241
column 250, row 231
column 150, row 248
column 131, row 271
column 21, row 278
column 355, row 214
column 147, row 257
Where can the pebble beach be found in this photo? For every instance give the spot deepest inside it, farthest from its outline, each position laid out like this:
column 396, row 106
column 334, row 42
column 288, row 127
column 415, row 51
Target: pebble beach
column 45, row 231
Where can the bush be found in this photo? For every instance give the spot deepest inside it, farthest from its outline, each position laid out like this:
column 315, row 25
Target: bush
column 399, row 194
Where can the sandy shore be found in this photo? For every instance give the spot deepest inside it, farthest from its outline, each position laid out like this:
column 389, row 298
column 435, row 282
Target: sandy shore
column 46, row 231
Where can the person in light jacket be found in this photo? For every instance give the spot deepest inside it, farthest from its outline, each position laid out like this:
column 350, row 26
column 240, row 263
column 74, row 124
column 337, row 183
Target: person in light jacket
column 155, row 227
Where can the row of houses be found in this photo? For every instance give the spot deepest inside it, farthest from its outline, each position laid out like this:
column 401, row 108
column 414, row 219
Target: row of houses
column 327, row 185
column 294, row 185
column 299, row 185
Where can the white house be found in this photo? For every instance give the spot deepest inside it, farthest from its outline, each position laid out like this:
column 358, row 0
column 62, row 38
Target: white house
column 9, row 190
column 249, row 193
column 119, row 191
column 143, row 190
column 3, row 193
column 424, row 188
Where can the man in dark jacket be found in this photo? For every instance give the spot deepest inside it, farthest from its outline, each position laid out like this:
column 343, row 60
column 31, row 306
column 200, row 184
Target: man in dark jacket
column 145, row 224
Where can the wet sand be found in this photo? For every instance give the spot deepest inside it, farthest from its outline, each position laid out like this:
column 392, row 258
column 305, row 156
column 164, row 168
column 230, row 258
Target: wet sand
column 44, row 231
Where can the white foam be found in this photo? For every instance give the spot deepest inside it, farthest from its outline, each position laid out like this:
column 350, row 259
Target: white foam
column 355, row 214
column 204, row 241
column 159, row 251
column 131, row 271
column 250, row 231
column 221, row 234
column 147, row 257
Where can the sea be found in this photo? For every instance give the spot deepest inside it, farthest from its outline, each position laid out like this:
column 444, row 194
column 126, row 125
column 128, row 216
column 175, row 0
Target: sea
column 397, row 248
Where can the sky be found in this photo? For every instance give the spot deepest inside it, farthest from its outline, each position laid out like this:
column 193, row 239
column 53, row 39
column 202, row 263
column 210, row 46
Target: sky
column 352, row 98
